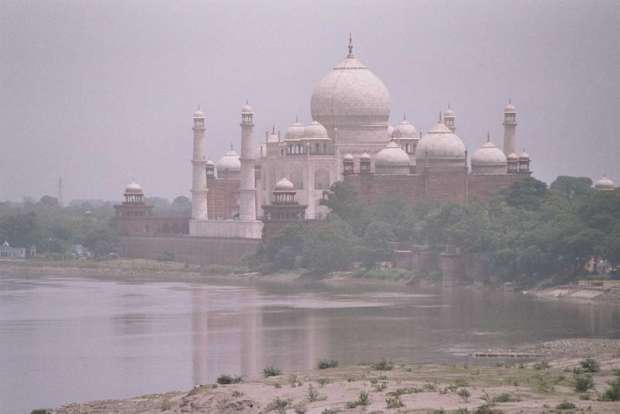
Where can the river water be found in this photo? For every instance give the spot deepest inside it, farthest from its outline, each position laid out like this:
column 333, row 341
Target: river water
column 70, row 339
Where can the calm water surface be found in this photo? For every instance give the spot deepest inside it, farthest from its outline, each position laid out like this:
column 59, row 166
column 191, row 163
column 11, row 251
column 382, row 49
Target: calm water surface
column 65, row 339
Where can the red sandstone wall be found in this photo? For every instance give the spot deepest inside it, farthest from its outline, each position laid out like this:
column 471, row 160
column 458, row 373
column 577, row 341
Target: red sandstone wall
column 372, row 188
column 151, row 225
column 193, row 250
column 483, row 186
column 453, row 187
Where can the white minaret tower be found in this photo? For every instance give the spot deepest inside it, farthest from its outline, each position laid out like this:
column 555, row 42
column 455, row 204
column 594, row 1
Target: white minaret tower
column 449, row 119
column 247, row 199
column 510, row 129
column 199, row 161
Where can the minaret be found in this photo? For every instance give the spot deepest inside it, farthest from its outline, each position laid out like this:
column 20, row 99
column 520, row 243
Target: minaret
column 449, row 118
column 510, row 129
column 61, row 201
column 247, row 199
column 199, row 162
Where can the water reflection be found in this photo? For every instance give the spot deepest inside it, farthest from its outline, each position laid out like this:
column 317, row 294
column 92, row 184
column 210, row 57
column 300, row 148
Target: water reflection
column 73, row 339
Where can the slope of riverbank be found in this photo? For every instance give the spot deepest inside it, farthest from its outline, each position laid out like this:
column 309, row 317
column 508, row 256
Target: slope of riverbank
column 506, row 387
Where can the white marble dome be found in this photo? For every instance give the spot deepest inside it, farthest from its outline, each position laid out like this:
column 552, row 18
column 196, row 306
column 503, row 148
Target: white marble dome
column 489, row 159
column 133, row 188
column 524, row 156
column 488, row 154
column 392, row 160
column 405, row 130
column 440, row 144
column 350, row 95
column 295, row 131
column 229, row 162
column 247, row 109
column 605, row 183
column 348, row 157
column 315, row 130
column 284, row 184
column 510, row 108
column 198, row 114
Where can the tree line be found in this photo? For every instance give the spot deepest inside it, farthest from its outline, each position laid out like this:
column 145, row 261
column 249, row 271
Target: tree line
column 526, row 233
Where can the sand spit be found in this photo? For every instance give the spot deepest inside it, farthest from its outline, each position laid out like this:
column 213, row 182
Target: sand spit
column 505, row 387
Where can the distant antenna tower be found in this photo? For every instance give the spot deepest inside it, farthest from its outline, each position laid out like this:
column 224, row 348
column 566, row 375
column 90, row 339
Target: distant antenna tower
column 60, row 199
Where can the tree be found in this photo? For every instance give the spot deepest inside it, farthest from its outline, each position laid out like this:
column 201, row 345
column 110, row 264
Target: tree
column 376, row 243
column 528, row 193
column 329, row 246
column 181, row 205
column 570, row 187
column 343, row 201
column 48, row 201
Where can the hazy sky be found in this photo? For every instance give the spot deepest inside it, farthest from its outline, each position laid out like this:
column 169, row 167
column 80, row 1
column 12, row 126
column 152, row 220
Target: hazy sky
column 102, row 92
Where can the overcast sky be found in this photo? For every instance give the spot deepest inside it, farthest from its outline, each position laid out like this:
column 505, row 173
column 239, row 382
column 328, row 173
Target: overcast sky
column 102, row 92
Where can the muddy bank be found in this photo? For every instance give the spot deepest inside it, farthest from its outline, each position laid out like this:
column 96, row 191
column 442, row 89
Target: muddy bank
column 604, row 291
column 504, row 387
column 142, row 270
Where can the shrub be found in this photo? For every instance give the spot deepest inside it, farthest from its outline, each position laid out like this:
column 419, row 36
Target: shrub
column 327, row 363
column 583, row 383
column 504, row 397
column 393, row 402
column 362, row 400
column 271, row 372
column 565, row 405
column 590, row 365
column 464, row 394
column 380, row 386
column 278, row 405
column 313, row 394
column 613, row 392
column 542, row 365
column 228, row 379
column 323, row 381
column 383, row 365
column 40, row 411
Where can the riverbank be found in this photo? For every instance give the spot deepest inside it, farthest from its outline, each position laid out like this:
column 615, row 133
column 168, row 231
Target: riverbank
column 582, row 291
column 544, row 385
column 142, row 270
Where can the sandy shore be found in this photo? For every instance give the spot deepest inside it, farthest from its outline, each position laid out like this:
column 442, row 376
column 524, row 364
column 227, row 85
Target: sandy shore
column 506, row 387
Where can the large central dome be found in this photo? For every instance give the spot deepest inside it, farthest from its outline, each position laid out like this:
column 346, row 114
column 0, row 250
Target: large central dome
column 350, row 95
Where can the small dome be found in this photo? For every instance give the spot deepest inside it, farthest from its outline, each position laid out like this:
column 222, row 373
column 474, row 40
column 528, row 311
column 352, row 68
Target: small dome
column 390, row 131
column 604, row 183
column 405, row 130
column 512, row 157
column 210, row 163
column 134, row 188
column 315, row 130
column 440, row 143
column 510, row 108
column 229, row 162
column 449, row 113
column 391, row 155
column 488, row 155
column 284, row 184
column 295, row 131
column 524, row 156
column 348, row 157
column 198, row 114
column 247, row 109
column 365, row 156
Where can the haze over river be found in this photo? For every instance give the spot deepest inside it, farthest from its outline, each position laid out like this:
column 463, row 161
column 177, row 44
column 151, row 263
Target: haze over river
column 69, row 339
